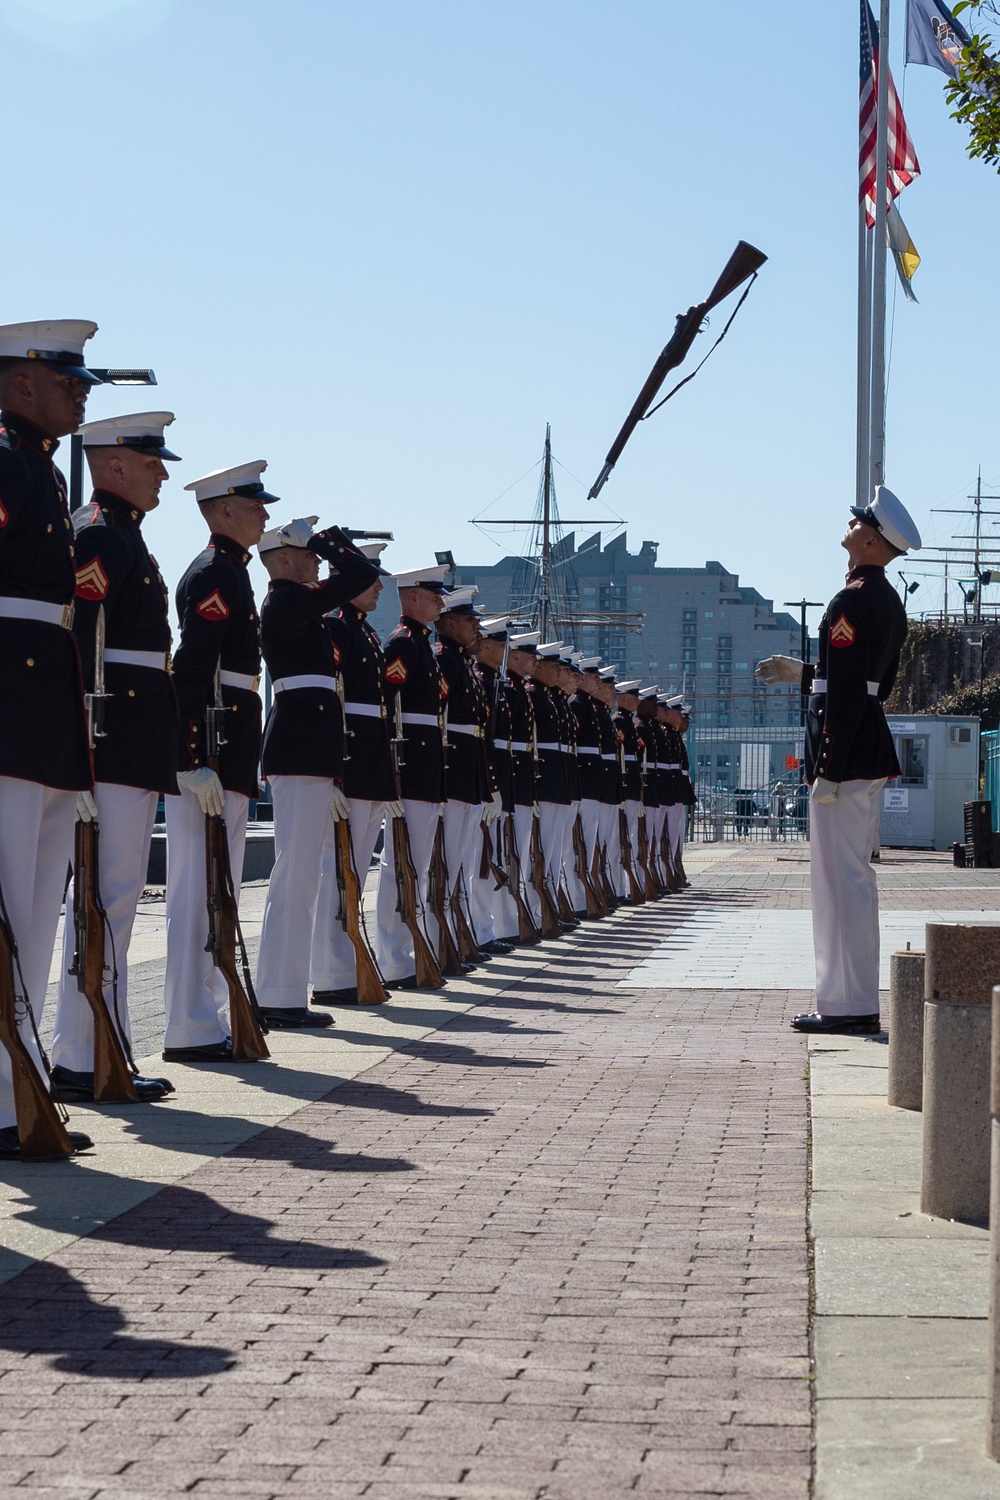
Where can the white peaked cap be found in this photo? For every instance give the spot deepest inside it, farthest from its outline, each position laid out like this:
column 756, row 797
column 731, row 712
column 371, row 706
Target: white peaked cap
column 890, row 516
column 567, row 653
column 496, row 626
column 607, row 673
column 550, row 649
column 295, row 533
column 57, row 342
column 649, row 692
column 526, row 641
column 244, row 479
column 142, row 430
column 588, row 663
column 460, row 598
column 629, row 686
column 372, row 550
column 673, row 702
column 431, row 577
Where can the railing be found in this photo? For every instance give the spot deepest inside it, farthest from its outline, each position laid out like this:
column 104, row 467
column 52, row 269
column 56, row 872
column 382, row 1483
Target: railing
column 755, row 816
column 748, row 776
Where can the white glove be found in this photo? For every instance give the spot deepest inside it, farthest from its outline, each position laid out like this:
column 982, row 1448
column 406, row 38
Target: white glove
column 340, row 808
column 86, row 808
column 825, row 791
column 207, row 788
column 395, row 809
column 779, row 669
column 493, row 809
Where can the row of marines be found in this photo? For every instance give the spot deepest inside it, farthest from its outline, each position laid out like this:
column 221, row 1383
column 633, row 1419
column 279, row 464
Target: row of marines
column 522, row 788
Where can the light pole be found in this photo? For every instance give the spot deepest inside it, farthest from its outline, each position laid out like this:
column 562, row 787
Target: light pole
column 106, row 377
column 802, row 605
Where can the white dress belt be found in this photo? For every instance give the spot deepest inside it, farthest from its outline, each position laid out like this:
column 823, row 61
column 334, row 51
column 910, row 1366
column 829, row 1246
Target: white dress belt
column 473, row 729
column 305, row 680
column 157, row 659
column 37, row 609
column 587, row 750
column 606, row 756
column 431, row 720
column 671, row 765
column 819, row 686
column 630, row 757
column 366, row 710
column 239, row 680
column 519, row 745
column 547, row 746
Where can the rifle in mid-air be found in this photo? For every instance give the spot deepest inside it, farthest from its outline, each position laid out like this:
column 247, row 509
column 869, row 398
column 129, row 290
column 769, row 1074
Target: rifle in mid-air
column 744, row 262
column 225, row 934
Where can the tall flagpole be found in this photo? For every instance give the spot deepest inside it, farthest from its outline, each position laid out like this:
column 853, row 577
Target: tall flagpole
column 876, row 473
column 863, row 494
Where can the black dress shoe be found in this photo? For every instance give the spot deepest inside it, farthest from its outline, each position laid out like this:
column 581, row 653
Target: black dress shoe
column 10, row 1146
column 78, row 1088
column 469, row 968
column 409, row 982
column 210, row 1052
column 295, row 1018
column 818, row 1025
column 496, row 948
column 335, row 997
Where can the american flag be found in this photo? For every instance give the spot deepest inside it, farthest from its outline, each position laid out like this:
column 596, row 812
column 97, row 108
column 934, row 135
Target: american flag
column 902, row 162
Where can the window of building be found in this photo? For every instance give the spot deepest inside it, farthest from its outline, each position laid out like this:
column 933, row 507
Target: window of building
column 913, row 760
column 709, row 614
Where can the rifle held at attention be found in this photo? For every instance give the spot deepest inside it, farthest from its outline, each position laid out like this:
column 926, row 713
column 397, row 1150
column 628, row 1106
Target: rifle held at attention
column 371, row 989
column 114, row 1068
column 40, row 1128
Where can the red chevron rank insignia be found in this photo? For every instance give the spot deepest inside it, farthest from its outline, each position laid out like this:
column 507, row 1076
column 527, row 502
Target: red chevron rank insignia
column 842, row 632
column 214, row 607
column 396, row 671
column 92, row 581
column 444, row 687
column 4, row 517
column 336, row 655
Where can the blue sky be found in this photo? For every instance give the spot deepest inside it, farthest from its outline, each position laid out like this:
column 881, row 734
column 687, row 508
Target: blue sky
column 382, row 244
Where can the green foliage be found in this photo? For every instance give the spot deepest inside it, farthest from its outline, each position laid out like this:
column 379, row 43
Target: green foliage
column 975, row 94
column 969, row 700
column 940, row 665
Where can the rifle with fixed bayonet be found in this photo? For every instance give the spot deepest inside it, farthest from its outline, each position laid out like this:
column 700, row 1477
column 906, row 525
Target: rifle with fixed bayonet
column 114, row 1066
column 225, row 934
column 428, row 974
column 368, row 981
column 636, row 895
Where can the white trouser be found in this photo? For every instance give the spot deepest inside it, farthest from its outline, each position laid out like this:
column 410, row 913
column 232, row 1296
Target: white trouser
column 659, row 823
column 569, row 879
column 551, row 821
column 504, row 909
column 333, row 965
column 125, row 819
column 36, row 846
column 301, row 820
column 524, row 820
column 482, row 895
column 195, row 995
column 590, row 817
column 393, row 944
column 845, row 900
column 676, row 825
column 632, row 810
column 461, row 824
column 609, row 841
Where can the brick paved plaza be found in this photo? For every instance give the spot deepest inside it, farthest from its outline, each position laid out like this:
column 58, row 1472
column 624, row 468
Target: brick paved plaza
column 553, row 1249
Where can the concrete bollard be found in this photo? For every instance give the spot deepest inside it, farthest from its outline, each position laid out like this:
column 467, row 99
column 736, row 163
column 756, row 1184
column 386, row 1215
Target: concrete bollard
column 962, row 963
column 906, row 1030
column 993, row 1387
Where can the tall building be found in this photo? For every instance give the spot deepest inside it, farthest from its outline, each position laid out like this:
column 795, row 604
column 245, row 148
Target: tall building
column 695, row 630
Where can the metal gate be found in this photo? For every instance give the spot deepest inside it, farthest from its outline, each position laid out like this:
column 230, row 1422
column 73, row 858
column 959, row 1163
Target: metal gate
column 748, row 776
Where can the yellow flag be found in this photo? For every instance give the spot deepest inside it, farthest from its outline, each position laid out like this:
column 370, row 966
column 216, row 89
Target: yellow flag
column 904, row 251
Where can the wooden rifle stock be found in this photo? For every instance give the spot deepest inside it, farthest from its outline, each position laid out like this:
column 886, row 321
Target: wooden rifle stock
column 449, row 959
column 592, row 907
column 650, row 884
column 527, row 932
column 487, row 864
column 113, row 1065
column 371, row 990
column 40, row 1127
column 551, row 926
column 597, row 880
column 426, row 965
column 666, row 853
column 224, row 933
column 635, row 892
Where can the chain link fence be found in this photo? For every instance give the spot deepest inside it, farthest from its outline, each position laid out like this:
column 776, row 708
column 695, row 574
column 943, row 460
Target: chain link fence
column 748, row 776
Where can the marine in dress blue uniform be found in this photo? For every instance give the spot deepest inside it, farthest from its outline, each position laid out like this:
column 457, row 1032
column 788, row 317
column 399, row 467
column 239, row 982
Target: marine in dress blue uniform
column 520, row 662
column 303, row 753
column 494, row 912
column 219, row 631
column 369, row 784
column 44, row 750
column 135, row 759
column 416, row 694
column 849, row 756
column 626, row 703
column 552, row 783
